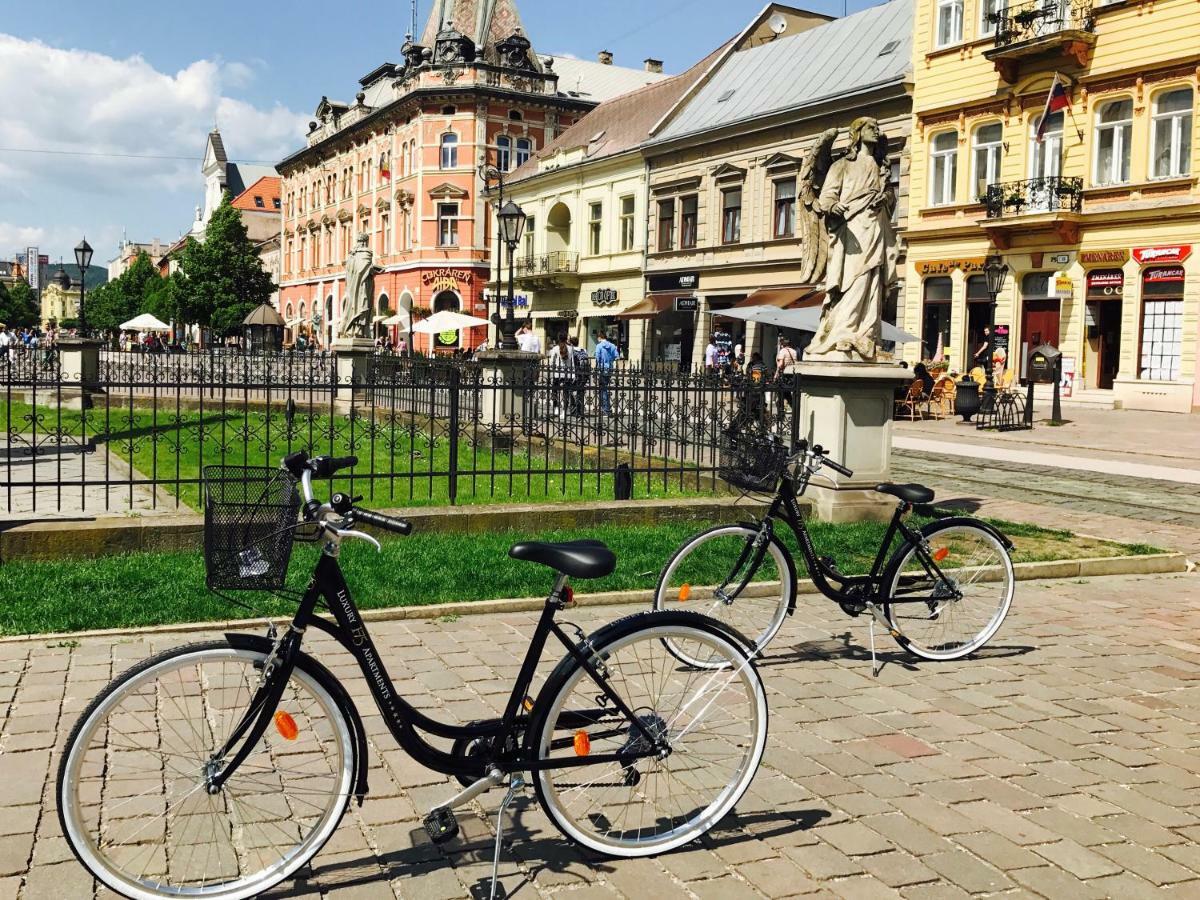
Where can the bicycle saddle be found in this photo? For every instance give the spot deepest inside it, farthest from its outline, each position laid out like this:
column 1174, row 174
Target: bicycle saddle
column 579, row 559
column 909, row 493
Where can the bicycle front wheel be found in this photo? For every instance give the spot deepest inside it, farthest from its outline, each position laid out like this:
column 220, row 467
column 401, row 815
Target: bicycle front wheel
column 948, row 600
column 722, row 573
column 133, row 799
column 713, row 722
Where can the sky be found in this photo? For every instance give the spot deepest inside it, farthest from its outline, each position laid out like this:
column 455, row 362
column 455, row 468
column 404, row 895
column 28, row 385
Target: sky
column 92, row 90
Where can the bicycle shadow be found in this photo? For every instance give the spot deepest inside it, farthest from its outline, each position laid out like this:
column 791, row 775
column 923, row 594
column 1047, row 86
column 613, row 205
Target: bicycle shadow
column 843, row 646
column 532, row 847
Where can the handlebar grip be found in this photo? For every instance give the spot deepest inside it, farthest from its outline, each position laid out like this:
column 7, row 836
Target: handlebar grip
column 838, row 467
column 387, row 523
column 296, row 463
column 325, row 466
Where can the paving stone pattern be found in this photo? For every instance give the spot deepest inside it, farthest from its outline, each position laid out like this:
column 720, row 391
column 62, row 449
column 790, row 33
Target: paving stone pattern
column 1063, row 762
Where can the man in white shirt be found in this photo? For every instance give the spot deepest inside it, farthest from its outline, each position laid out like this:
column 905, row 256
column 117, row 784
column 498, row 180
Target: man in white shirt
column 710, row 356
column 528, row 341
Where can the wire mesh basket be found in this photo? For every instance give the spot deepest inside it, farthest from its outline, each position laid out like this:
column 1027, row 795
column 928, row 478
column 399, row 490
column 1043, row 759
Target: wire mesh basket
column 751, row 460
column 249, row 523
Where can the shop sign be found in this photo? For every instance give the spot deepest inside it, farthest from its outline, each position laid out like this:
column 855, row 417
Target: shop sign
column 604, row 297
column 520, row 301
column 1060, row 259
column 1068, row 376
column 1165, row 273
column 1000, row 341
column 570, row 314
column 1175, row 253
column 1064, row 288
column 687, row 304
column 968, row 264
column 1106, row 283
column 1104, row 257
column 676, row 281
column 446, row 279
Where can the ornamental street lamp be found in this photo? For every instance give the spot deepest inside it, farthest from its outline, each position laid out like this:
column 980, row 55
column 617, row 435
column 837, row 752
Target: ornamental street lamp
column 995, row 271
column 512, row 225
column 83, row 259
column 487, row 174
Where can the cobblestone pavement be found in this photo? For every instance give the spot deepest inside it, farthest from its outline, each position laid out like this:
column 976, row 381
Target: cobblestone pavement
column 1063, row 762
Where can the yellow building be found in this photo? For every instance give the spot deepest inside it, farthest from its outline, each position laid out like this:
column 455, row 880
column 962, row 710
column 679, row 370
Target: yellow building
column 59, row 298
column 1095, row 211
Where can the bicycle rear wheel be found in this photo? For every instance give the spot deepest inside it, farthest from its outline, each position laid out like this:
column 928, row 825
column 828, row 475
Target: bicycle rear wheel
column 132, row 794
column 723, row 575
column 950, row 600
column 714, row 722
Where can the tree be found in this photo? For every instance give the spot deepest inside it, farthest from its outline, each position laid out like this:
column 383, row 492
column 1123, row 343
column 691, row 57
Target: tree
column 164, row 296
column 124, row 297
column 19, row 307
column 225, row 279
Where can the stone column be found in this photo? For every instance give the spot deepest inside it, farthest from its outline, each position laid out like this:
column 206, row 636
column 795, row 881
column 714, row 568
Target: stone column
column 847, row 409
column 352, row 363
column 79, row 359
column 505, row 377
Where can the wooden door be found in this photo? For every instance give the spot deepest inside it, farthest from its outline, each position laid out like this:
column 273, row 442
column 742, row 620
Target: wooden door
column 1039, row 322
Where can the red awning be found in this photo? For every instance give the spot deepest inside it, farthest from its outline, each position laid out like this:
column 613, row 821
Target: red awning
column 781, row 298
column 652, row 306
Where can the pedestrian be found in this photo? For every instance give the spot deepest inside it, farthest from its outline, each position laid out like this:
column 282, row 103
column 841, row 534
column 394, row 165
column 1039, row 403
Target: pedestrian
column 562, row 374
column 754, row 383
column 607, row 355
column 583, row 371
column 921, row 374
column 6, row 340
column 527, row 340
column 785, row 381
column 710, row 357
column 402, row 346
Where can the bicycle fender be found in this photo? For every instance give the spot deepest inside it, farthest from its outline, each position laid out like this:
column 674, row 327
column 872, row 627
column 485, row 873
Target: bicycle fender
column 930, row 527
column 261, row 644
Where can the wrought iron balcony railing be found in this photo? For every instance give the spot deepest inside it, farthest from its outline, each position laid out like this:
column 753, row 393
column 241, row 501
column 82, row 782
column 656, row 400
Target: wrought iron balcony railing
column 557, row 262
column 1033, row 19
column 1034, row 195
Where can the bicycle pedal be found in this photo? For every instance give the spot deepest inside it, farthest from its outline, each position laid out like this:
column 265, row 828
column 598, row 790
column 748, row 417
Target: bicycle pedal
column 441, row 825
column 482, row 890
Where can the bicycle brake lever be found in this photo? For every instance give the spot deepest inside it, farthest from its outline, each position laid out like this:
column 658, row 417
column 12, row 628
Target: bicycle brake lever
column 359, row 534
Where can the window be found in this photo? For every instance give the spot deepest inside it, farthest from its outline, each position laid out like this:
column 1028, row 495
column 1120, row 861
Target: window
column 785, row 208
column 515, row 115
column 943, row 168
column 731, row 215
column 1162, row 323
column 449, row 151
column 504, row 153
column 275, row 202
column 595, row 220
column 524, row 148
column 627, row 211
column 987, row 10
column 985, row 157
column 1171, row 134
column 449, row 111
column 447, row 219
column 666, row 225
column 687, row 216
column 935, row 320
column 949, row 22
column 258, row 202
column 894, row 183
column 1114, row 129
column 530, row 232
column 385, row 226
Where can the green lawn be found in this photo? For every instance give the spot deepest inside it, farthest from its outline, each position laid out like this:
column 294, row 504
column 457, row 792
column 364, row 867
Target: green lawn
column 172, row 446
column 153, row 589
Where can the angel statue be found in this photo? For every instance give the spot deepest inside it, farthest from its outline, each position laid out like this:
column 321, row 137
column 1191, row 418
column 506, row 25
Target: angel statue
column 360, row 288
column 854, row 196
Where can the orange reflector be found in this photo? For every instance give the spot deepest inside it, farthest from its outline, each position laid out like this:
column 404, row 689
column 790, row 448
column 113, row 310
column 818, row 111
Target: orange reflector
column 583, row 744
column 286, row 726
column 528, row 703
column 684, row 593
column 940, row 553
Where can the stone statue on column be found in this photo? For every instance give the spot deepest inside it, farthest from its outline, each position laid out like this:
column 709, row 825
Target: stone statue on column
column 855, row 197
column 360, row 291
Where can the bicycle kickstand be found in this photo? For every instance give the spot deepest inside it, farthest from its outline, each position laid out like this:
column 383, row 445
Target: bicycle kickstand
column 515, row 785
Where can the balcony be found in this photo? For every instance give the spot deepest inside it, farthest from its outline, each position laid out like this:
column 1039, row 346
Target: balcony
column 1054, row 203
column 1042, row 28
column 557, row 269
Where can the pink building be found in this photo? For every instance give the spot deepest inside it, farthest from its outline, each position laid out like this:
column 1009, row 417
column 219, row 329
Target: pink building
column 401, row 164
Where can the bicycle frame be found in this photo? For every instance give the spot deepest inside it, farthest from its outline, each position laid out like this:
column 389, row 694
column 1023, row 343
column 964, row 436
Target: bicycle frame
column 404, row 720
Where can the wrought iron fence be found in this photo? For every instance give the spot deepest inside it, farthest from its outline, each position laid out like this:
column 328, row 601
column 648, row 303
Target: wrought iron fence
column 1034, row 195
column 137, row 438
column 1018, row 22
column 557, row 262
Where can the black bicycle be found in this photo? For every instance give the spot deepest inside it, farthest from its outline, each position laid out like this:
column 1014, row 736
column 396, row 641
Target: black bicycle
column 941, row 594
column 218, row 769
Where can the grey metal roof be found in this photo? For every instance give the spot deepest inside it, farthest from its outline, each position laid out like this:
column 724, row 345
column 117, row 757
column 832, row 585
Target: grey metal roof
column 836, row 59
column 596, row 81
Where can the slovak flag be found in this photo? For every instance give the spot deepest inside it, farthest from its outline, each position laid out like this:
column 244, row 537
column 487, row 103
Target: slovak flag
column 1057, row 99
column 384, row 172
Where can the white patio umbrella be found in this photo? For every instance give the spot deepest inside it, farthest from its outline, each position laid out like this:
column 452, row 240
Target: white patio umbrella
column 804, row 319
column 400, row 319
column 145, row 322
column 447, row 321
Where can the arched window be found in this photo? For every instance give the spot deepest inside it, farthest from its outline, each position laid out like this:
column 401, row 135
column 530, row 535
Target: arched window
column 448, row 110
column 303, row 309
column 504, row 153
column 524, row 148
column 1114, row 134
column 986, row 144
column 1171, row 134
column 943, row 168
column 935, row 319
column 385, row 305
column 449, row 158
column 287, row 312
column 515, row 115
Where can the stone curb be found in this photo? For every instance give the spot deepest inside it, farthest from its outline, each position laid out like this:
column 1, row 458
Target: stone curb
column 1150, row 564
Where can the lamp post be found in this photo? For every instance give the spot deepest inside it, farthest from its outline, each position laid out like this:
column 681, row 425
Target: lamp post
column 512, row 224
column 995, row 270
column 83, row 259
column 487, row 174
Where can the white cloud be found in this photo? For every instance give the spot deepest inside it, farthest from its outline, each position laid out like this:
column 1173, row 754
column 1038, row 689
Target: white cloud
column 81, row 101
column 21, row 235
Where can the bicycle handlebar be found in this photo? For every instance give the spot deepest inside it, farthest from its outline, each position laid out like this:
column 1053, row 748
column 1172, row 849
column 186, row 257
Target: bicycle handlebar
column 821, row 457
column 304, row 470
column 378, row 520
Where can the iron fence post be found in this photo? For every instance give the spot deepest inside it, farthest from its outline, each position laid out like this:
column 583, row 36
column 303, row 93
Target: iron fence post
column 455, row 380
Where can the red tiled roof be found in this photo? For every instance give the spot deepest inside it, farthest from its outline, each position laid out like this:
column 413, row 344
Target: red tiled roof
column 267, row 188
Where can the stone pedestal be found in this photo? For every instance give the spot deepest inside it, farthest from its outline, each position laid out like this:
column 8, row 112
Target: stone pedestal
column 847, row 409
column 79, row 368
column 505, row 377
column 352, row 361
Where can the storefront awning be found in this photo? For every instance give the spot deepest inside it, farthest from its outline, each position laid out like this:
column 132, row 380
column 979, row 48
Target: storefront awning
column 652, row 305
column 780, row 298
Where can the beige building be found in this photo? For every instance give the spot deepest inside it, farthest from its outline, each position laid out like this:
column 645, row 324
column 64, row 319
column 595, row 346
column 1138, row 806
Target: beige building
column 59, row 298
column 725, row 221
